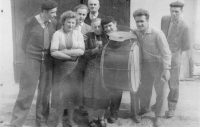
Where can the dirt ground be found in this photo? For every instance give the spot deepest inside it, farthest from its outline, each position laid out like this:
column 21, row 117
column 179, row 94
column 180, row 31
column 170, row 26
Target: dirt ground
column 187, row 113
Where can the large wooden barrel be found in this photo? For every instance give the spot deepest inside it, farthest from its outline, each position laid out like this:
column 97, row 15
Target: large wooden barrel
column 120, row 65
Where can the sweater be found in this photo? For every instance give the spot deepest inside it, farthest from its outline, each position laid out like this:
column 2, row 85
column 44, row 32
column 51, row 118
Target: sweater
column 33, row 38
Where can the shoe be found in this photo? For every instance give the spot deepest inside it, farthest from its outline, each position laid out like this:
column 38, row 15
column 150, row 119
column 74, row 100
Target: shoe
column 143, row 111
column 169, row 113
column 102, row 123
column 92, row 124
column 113, row 117
column 137, row 119
column 111, row 120
column 158, row 121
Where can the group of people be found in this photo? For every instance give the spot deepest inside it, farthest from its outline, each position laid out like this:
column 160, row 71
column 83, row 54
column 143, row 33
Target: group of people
column 65, row 63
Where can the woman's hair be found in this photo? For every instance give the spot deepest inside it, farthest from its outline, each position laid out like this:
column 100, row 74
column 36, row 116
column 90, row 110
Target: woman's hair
column 66, row 15
column 95, row 20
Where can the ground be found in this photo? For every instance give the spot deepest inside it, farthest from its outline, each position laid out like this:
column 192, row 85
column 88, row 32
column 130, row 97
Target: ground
column 187, row 112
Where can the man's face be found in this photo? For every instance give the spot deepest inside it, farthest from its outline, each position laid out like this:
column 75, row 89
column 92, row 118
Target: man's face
column 93, row 5
column 51, row 13
column 142, row 23
column 82, row 13
column 110, row 27
column 96, row 27
column 175, row 12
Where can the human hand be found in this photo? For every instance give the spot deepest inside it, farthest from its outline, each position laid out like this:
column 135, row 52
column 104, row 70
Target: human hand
column 85, row 37
column 166, row 75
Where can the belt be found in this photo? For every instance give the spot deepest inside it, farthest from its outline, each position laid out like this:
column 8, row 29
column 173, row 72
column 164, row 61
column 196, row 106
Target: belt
column 44, row 53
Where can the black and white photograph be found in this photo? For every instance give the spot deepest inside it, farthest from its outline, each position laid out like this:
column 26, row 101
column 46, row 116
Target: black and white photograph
column 99, row 63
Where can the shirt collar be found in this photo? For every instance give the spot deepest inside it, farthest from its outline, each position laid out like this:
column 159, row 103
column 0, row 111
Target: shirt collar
column 175, row 21
column 39, row 19
column 148, row 30
column 81, row 24
column 95, row 15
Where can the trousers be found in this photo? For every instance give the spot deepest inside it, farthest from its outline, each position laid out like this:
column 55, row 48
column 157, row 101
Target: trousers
column 35, row 73
column 151, row 74
column 173, row 88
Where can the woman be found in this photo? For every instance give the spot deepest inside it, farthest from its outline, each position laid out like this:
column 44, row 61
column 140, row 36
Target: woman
column 95, row 95
column 67, row 44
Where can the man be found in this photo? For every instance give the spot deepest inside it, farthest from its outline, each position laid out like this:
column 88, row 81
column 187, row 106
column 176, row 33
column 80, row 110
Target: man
column 82, row 11
column 93, row 6
column 155, row 65
column 177, row 34
column 110, row 25
column 38, row 66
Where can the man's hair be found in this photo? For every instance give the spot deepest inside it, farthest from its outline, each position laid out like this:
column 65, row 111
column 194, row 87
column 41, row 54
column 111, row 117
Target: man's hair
column 48, row 5
column 107, row 20
column 95, row 20
column 93, row 0
column 81, row 6
column 66, row 15
column 141, row 12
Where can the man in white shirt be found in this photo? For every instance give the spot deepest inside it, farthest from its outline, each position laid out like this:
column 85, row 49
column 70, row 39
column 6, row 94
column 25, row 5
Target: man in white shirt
column 82, row 11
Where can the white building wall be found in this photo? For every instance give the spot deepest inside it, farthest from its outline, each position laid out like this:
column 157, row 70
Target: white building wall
column 6, row 44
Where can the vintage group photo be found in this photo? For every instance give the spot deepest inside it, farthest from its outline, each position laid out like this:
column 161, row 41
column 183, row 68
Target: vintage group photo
column 100, row 63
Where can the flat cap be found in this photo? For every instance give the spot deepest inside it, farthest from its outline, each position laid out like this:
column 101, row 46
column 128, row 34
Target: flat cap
column 48, row 4
column 107, row 19
column 176, row 4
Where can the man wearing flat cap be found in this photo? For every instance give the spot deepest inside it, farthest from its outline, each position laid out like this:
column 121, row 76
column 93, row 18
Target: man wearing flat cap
column 38, row 66
column 177, row 34
column 110, row 25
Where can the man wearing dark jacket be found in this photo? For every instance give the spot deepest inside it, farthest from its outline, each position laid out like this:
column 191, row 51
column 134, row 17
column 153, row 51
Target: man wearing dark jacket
column 177, row 34
column 93, row 6
column 38, row 66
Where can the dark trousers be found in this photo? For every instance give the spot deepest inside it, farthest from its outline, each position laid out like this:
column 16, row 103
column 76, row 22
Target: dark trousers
column 134, row 103
column 115, row 97
column 151, row 75
column 33, row 71
column 174, row 88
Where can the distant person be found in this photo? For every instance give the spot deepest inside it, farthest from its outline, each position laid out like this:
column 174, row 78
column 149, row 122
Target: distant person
column 37, row 66
column 67, row 45
column 177, row 34
column 110, row 25
column 156, row 62
column 93, row 6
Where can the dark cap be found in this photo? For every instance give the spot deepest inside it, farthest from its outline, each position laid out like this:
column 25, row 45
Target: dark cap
column 176, row 4
column 106, row 20
column 48, row 4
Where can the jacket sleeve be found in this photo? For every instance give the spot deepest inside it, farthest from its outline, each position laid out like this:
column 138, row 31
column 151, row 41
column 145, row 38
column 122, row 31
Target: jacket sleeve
column 25, row 36
column 186, row 40
column 165, row 51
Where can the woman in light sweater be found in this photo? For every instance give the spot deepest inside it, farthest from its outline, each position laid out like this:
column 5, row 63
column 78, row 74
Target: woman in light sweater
column 66, row 46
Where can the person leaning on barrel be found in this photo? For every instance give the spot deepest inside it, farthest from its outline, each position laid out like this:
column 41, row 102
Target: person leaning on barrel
column 155, row 65
column 110, row 25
